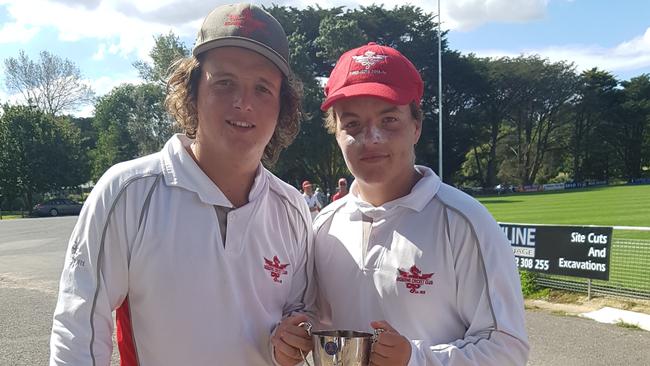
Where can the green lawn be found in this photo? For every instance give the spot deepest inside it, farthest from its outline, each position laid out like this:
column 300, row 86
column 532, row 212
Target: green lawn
column 606, row 206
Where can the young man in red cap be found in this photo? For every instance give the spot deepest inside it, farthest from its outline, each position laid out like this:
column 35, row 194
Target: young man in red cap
column 342, row 189
column 199, row 250
column 403, row 251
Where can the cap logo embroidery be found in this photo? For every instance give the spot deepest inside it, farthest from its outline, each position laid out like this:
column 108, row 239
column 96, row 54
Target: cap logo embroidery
column 369, row 59
column 415, row 279
column 246, row 22
column 275, row 268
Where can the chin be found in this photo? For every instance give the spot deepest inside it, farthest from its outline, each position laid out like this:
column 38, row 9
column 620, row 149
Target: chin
column 371, row 177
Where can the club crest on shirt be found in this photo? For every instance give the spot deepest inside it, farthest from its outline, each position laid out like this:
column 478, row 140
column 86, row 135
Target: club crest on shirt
column 414, row 279
column 275, row 268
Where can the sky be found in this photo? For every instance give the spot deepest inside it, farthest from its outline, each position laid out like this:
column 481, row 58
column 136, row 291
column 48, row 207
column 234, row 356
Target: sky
column 104, row 37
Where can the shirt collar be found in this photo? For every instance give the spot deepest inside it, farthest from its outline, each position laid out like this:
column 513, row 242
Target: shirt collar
column 180, row 170
column 423, row 191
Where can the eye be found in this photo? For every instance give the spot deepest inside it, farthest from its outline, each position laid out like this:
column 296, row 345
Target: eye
column 263, row 89
column 224, row 82
column 350, row 124
column 390, row 119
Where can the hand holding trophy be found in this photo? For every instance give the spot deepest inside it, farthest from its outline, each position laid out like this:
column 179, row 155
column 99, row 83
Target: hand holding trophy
column 341, row 347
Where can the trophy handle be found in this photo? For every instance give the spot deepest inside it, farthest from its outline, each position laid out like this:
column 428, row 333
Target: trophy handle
column 307, row 326
column 376, row 333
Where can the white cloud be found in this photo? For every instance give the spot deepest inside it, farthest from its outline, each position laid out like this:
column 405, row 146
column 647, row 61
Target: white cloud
column 10, row 98
column 469, row 14
column 115, row 32
column 627, row 56
column 126, row 28
column 105, row 84
column 15, row 32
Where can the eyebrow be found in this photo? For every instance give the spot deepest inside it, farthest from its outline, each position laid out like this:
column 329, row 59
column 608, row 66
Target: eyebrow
column 231, row 75
column 390, row 109
column 348, row 114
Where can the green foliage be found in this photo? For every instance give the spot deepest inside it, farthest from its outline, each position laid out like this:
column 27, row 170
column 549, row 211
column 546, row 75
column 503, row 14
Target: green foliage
column 623, row 324
column 338, row 34
column 166, row 50
column 528, row 283
column 630, row 132
column 40, row 153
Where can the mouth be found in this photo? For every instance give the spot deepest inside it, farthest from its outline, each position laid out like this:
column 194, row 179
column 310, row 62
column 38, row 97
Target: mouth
column 240, row 124
column 370, row 158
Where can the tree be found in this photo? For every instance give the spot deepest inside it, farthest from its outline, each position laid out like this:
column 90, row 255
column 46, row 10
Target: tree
column 166, row 51
column 53, row 84
column 40, row 153
column 131, row 119
column 593, row 107
column 630, row 131
column 535, row 120
column 114, row 143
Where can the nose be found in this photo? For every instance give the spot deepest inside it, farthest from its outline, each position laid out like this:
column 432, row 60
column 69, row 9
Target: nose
column 242, row 99
column 373, row 135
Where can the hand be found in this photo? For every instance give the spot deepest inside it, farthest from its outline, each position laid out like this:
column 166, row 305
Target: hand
column 391, row 348
column 289, row 339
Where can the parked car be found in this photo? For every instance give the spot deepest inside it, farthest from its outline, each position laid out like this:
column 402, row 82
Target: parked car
column 56, row 207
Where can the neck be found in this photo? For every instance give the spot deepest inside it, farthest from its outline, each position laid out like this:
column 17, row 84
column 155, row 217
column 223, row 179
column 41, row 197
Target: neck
column 234, row 176
column 378, row 194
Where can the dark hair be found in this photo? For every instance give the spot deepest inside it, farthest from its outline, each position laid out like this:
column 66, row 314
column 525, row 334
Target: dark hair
column 182, row 92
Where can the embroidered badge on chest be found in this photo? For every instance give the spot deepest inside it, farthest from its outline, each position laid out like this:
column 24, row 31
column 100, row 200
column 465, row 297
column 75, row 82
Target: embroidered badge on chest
column 275, row 268
column 414, row 279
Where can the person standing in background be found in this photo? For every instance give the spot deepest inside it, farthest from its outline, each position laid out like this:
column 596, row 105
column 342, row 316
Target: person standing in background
column 312, row 200
column 342, row 189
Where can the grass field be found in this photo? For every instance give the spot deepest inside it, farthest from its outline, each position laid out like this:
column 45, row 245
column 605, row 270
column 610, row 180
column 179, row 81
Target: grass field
column 605, row 206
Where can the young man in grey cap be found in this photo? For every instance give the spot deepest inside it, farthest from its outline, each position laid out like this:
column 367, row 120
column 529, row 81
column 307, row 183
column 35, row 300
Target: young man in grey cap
column 200, row 251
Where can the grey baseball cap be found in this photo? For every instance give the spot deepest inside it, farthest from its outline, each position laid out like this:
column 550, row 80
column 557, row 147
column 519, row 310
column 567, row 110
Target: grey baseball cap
column 247, row 26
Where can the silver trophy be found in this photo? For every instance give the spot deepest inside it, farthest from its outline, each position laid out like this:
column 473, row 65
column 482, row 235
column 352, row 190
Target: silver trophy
column 340, row 347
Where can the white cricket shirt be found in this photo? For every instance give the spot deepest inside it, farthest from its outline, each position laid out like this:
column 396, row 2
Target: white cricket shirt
column 434, row 264
column 148, row 246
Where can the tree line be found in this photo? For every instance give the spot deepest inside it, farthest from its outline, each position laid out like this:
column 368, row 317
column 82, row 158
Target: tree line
column 512, row 120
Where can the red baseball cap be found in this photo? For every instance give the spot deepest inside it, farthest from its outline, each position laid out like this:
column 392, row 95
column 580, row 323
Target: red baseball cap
column 374, row 71
column 343, row 180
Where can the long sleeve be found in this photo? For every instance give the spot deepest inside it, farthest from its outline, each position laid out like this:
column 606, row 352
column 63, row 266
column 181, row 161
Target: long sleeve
column 94, row 281
column 489, row 300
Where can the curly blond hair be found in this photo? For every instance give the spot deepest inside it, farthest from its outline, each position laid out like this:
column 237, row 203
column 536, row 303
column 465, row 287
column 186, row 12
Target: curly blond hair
column 182, row 92
column 329, row 121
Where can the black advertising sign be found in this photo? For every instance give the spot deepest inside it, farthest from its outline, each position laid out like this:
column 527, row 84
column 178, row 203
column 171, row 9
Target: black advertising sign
column 578, row 251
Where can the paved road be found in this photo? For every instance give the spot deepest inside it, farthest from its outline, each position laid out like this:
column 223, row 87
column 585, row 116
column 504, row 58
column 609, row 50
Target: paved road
column 31, row 258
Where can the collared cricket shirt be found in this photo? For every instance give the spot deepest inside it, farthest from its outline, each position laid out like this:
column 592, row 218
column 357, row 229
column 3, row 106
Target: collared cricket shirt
column 148, row 245
column 434, row 264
